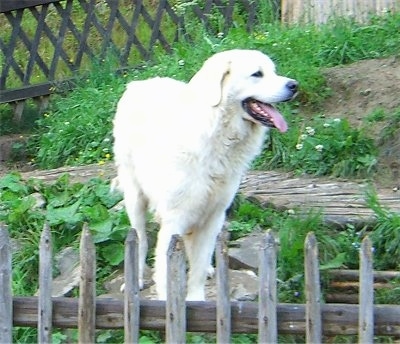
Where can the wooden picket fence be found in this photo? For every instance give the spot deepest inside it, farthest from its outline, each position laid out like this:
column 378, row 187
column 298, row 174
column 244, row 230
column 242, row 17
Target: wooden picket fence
column 266, row 317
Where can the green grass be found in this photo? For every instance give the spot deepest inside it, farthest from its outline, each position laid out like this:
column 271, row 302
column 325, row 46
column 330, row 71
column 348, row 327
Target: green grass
column 77, row 128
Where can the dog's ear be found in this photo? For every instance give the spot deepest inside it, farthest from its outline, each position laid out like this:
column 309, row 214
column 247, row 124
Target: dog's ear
column 208, row 81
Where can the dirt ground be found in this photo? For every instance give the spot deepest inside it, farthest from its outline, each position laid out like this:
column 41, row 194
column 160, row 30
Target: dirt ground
column 357, row 90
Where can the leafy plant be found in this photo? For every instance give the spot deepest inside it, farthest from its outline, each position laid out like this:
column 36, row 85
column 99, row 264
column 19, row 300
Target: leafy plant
column 385, row 234
column 322, row 147
column 66, row 206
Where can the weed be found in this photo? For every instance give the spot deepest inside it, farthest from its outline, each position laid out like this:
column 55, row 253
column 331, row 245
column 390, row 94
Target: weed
column 321, row 147
column 385, row 234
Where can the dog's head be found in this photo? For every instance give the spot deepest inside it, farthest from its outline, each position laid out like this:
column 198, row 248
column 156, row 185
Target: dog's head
column 245, row 79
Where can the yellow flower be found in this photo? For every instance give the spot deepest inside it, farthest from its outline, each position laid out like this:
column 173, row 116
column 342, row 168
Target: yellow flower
column 108, row 156
column 101, row 162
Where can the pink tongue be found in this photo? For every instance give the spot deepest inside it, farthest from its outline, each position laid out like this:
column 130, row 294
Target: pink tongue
column 276, row 117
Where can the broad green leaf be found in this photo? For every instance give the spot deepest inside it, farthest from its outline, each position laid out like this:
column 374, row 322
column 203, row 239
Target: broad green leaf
column 69, row 214
column 113, row 253
column 102, row 230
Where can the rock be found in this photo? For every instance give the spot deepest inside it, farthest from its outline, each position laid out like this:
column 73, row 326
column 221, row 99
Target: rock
column 67, row 262
column 244, row 254
column 243, row 286
column 65, row 283
column 114, row 284
column 40, row 201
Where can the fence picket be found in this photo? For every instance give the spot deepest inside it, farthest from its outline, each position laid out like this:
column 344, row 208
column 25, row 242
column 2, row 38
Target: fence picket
column 6, row 305
column 131, row 293
column 175, row 327
column 312, row 290
column 87, row 289
column 223, row 292
column 366, row 294
column 45, row 308
column 267, row 298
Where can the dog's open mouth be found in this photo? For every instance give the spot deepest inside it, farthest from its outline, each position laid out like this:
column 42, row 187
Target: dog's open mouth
column 265, row 113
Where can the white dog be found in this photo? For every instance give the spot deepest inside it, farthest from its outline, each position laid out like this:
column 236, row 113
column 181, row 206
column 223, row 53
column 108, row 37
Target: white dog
column 182, row 148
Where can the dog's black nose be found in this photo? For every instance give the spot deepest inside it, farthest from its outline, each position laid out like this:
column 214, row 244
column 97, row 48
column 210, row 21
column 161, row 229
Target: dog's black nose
column 292, row 85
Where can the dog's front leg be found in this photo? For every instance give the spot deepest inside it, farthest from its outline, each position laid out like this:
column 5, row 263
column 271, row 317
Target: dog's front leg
column 160, row 274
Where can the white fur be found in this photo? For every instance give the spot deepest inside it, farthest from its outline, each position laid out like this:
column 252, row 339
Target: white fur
column 182, row 148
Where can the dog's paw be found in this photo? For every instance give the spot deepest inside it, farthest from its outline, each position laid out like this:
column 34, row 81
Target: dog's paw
column 122, row 287
column 210, row 272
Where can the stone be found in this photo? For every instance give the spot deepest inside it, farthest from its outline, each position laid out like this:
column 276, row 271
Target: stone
column 67, row 262
column 245, row 252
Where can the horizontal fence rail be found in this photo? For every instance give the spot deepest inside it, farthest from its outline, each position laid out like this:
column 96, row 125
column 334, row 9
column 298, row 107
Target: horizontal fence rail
column 266, row 317
column 338, row 319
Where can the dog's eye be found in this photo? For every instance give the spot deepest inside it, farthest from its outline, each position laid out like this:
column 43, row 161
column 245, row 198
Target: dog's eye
column 258, row 74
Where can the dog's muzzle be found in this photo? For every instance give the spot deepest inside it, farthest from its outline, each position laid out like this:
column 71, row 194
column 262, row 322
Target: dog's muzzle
column 265, row 113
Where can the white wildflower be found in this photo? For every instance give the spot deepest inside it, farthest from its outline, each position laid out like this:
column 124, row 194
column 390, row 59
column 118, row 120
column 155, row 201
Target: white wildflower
column 310, row 131
column 220, row 35
column 319, row 148
column 303, row 137
column 181, row 62
column 299, row 146
column 337, row 120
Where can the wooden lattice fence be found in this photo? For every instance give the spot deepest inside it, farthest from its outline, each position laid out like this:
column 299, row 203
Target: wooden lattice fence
column 267, row 317
column 74, row 32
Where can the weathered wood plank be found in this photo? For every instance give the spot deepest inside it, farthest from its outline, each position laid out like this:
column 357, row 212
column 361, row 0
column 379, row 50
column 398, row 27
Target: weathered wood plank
column 87, row 289
column 312, row 290
column 366, row 296
column 45, row 311
column 340, row 201
column 131, row 292
column 320, row 11
column 6, row 310
column 354, row 275
column 337, row 318
column 176, row 292
column 267, row 296
column 223, row 290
